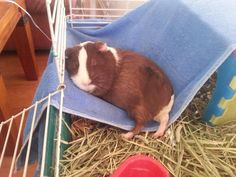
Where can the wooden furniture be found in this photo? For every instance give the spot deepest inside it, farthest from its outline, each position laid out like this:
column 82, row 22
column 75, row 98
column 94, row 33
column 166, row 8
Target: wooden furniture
column 13, row 21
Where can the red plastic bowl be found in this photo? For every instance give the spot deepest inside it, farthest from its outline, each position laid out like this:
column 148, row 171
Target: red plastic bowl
column 141, row 166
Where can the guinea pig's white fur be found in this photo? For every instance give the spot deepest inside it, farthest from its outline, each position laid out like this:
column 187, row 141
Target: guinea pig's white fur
column 82, row 79
column 114, row 52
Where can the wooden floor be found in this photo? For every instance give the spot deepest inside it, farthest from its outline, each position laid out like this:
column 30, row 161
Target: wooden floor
column 20, row 92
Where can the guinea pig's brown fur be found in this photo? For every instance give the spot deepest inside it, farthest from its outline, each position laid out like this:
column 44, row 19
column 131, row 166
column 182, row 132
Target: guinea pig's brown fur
column 125, row 79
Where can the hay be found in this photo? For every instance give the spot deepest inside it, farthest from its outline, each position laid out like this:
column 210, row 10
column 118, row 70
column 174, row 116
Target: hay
column 189, row 147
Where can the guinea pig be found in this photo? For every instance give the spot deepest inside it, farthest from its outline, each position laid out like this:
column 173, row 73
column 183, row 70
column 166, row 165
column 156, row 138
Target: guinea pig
column 124, row 78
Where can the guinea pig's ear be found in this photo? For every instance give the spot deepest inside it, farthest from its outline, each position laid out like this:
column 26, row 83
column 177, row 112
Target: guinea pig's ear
column 101, row 46
column 68, row 52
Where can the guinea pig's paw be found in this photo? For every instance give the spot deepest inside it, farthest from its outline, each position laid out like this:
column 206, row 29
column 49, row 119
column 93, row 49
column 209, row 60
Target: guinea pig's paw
column 127, row 135
column 159, row 133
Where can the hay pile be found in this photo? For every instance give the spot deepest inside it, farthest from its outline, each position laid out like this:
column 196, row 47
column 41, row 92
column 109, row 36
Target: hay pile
column 189, row 148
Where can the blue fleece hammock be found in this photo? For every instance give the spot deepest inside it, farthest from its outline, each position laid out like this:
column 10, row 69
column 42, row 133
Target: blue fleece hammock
column 189, row 39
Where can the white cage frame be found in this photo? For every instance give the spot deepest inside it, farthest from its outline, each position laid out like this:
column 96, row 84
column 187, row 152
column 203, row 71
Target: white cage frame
column 57, row 23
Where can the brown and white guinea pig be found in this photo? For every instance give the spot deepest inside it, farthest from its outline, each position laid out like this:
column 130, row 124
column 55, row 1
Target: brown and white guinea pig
column 125, row 79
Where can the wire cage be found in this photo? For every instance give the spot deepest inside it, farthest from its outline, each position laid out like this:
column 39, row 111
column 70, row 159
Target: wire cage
column 56, row 135
column 104, row 10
